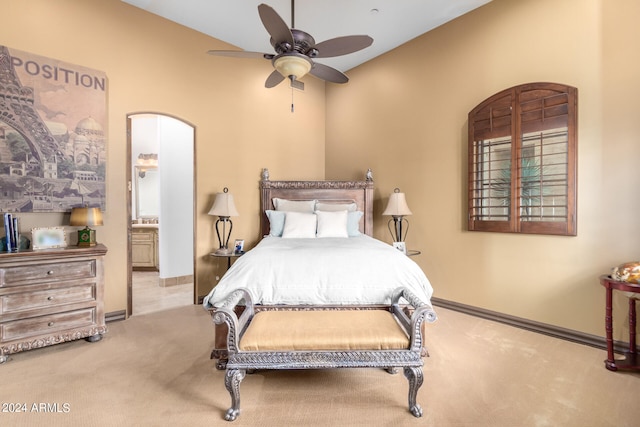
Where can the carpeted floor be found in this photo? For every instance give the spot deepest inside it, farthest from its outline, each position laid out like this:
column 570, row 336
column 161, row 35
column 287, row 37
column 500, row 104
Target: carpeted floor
column 154, row 370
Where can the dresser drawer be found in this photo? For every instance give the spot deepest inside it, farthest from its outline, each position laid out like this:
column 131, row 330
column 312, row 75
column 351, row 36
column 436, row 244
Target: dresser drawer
column 53, row 323
column 13, row 303
column 47, row 272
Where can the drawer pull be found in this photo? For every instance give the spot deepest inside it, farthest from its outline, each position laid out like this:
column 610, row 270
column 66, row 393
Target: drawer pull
column 49, row 273
column 50, row 298
column 50, row 324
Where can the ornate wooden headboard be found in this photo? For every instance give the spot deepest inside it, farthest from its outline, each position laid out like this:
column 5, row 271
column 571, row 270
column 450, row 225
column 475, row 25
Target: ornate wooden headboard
column 359, row 192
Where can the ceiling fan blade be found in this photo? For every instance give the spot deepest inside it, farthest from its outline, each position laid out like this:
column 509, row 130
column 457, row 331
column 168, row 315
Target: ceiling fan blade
column 296, row 84
column 327, row 73
column 274, row 79
column 275, row 26
column 241, row 54
column 342, row 46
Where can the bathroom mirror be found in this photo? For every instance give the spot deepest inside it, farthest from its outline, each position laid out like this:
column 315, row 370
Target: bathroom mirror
column 147, row 192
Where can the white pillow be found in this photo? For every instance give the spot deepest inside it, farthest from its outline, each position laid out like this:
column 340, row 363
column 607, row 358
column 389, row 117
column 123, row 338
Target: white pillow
column 332, row 224
column 330, row 207
column 299, row 225
column 353, row 223
column 307, row 206
column 276, row 222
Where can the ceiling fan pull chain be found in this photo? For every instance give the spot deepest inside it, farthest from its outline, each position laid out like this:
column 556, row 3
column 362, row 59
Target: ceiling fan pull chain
column 292, row 99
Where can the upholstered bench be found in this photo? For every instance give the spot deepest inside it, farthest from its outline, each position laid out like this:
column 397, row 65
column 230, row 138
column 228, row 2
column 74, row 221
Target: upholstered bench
column 320, row 337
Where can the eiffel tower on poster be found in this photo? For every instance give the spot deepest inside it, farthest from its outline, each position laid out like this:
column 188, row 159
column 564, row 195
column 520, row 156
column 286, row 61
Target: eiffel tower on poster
column 17, row 110
column 40, row 172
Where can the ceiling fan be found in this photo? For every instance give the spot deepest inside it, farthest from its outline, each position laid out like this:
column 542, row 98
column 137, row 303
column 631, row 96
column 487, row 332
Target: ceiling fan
column 295, row 50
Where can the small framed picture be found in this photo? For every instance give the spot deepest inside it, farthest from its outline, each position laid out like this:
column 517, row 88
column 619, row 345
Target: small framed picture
column 48, row 237
column 401, row 246
column 238, row 246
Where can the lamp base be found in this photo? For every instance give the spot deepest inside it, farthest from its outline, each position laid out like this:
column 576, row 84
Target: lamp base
column 398, row 236
column 223, row 241
column 224, row 251
column 86, row 237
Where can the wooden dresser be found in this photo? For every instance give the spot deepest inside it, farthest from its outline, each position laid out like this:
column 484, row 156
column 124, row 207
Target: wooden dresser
column 51, row 296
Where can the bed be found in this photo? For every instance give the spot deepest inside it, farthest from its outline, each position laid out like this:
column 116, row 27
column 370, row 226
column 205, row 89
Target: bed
column 317, row 254
column 358, row 195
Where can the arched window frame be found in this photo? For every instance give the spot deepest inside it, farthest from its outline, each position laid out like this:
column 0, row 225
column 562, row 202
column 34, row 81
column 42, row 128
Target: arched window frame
column 528, row 132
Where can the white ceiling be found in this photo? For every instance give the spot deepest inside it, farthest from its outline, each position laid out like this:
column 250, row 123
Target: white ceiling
column 390, row 22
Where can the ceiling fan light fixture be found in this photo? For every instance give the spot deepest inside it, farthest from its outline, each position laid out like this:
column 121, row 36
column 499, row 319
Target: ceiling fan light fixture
column 292, row 65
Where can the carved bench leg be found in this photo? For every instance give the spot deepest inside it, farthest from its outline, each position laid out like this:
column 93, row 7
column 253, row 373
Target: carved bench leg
column 232, row 381
column 415, row 377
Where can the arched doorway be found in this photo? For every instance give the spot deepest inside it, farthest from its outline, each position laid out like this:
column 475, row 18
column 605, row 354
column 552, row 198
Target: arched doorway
column 161, row 230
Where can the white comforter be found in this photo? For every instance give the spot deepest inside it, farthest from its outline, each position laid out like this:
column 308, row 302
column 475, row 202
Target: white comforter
column 355, row 270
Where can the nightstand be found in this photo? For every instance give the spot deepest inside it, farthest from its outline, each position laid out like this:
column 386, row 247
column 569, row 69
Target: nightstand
column 227, row 256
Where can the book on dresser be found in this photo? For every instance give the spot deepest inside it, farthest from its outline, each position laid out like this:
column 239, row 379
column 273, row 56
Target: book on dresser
column 51, row 296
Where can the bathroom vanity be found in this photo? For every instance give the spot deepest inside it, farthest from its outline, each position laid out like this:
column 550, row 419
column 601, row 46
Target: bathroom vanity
column 144, row 247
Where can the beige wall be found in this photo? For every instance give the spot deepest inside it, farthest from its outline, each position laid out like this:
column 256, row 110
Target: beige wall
column 155, row 65
column 404, row 115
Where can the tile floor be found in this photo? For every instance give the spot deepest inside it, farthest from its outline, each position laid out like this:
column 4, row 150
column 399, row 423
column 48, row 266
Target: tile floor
column 149, row 297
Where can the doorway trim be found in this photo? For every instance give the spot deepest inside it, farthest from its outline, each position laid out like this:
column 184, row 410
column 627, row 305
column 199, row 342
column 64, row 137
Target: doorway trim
column 129, row 185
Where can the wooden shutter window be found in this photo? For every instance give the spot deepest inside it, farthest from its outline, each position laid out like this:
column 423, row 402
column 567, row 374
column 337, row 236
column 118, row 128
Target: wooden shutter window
column 522, row 161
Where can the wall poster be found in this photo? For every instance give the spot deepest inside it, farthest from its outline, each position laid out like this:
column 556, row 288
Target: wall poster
column 53, row 144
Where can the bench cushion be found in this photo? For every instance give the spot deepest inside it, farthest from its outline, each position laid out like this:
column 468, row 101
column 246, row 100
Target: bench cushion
column 319, row 330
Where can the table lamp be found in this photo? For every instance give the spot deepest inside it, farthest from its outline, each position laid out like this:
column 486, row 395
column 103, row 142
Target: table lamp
column 398, row 209
column 88, row 217
column 224, row 208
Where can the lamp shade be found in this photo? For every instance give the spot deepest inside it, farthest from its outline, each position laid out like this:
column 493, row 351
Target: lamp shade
column 223, row 205
column 397, row 205
column 85, row 216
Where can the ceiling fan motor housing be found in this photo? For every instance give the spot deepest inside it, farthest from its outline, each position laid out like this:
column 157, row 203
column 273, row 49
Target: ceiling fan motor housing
column 303, row 42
